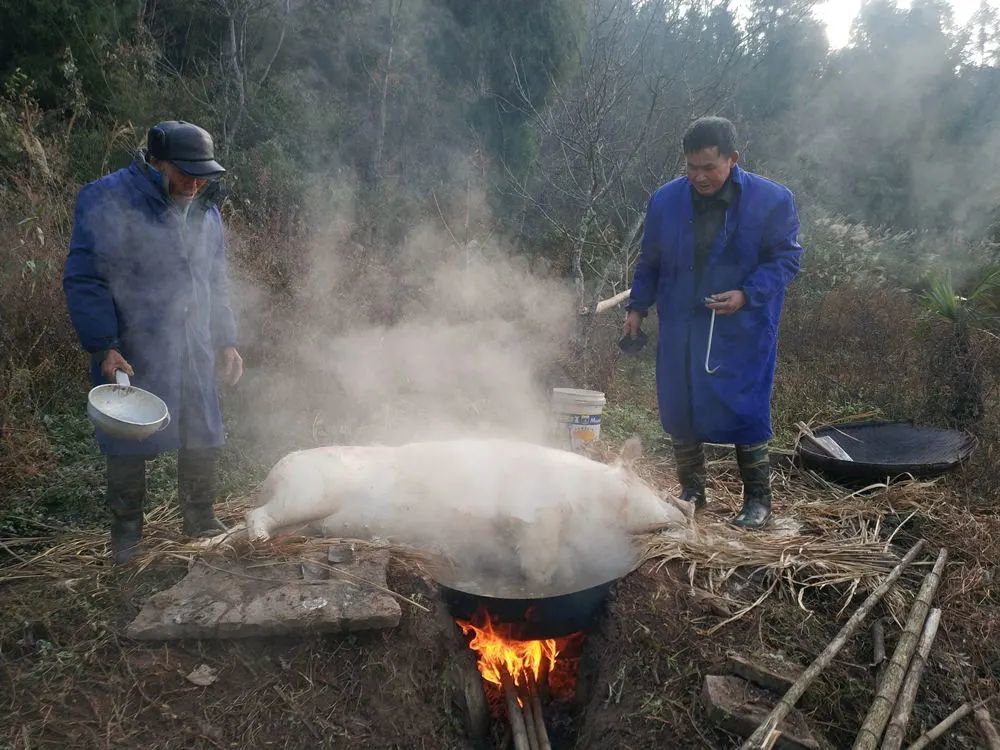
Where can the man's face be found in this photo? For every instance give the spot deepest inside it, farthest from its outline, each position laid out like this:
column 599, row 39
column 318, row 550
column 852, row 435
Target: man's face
column 708, row 170
column 183, row 187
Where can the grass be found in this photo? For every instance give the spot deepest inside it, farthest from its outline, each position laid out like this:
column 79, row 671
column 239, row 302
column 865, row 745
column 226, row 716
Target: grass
column 71, row 494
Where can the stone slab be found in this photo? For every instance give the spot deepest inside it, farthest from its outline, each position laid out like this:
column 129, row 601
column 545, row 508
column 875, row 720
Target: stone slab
column 740, row 707
column 771, row 671
column 243, row 599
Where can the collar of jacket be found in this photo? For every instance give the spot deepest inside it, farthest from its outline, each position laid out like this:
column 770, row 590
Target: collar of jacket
column 151, row 183
column 721, row 198
column 736, row 176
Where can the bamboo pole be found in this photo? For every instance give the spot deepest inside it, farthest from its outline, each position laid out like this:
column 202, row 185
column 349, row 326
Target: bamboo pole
column 791, row 697
column 942, row 728
column 878, row 713
column 514, row 715
column 896, row 732
column 878, row 649
column 541, row 733
column 989, row 731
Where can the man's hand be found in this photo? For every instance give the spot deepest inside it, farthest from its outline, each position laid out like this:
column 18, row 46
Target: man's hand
column 231, row 366
column 633, row 320
column 113, row 360
column 726, row 303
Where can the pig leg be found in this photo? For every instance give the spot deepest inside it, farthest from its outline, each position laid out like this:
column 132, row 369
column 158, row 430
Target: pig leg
column 239, row 531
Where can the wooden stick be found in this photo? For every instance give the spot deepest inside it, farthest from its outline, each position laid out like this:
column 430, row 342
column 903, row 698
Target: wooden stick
column 542, row 684
column 541, row 733
column 989, row 731
column 878, row 649
column 878, row 714
column 896, row 732
column 607, row 304
column 791, row 697
column 941, row 729
column 529, row 718
column 514, row 715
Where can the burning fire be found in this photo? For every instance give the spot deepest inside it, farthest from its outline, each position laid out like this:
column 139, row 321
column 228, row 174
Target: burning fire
column 496, row 651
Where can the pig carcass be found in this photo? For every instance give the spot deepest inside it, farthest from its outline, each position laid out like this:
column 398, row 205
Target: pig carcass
column 547, row 515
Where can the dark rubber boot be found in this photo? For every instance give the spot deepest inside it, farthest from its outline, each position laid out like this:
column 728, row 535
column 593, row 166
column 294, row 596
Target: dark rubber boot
column 126, row 477
column 196, row 491
column 690, row 459
column 755, row 471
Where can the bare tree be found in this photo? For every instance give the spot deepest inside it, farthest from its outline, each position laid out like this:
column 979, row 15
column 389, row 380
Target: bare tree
column 610, row 135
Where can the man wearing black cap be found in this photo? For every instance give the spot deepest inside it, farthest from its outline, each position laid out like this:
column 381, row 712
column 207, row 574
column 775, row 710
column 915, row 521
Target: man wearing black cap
column 147, row 291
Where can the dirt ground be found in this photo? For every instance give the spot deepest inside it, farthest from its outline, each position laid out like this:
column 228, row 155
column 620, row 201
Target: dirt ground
column 69, row 679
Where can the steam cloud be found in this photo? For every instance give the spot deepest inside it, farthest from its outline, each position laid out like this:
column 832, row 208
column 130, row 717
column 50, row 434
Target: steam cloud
column 445, row 340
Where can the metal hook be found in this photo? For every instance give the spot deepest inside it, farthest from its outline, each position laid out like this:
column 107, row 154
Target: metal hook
column 708, row 350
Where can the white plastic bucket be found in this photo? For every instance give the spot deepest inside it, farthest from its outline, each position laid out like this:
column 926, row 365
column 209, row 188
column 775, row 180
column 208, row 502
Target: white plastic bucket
column 578, row 416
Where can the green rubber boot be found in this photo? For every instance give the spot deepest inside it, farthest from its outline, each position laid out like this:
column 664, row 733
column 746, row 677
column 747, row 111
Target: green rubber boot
column 196, row 487
column 690, row 459
column 755, row 470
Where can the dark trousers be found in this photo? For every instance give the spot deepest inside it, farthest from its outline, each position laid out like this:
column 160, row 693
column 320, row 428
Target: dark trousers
column 196, row 481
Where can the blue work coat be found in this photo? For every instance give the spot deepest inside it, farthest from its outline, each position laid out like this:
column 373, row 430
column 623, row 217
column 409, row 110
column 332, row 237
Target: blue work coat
column 149, row 280
column 756, row 251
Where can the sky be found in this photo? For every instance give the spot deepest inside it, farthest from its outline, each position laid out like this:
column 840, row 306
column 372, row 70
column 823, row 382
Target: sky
column 838, row 15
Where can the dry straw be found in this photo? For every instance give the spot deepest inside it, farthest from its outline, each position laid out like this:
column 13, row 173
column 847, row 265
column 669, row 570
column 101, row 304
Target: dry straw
column 823, row 536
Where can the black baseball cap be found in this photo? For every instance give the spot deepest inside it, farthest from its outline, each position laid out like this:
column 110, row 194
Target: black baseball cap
column 186, row 146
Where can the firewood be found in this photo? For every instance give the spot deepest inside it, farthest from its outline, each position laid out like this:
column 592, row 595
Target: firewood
column 942, row 728
column 896, row 732
column 514, row 714
column 542, row 684
column 791, row 697
column 541, row 733
column 989, row 731
column 878, row 713
column 529, row 719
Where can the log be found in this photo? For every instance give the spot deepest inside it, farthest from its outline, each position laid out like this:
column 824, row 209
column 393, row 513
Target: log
column 885, row 699
column 469, row 695
column 989, row 731
column 791, row 697
column 896, row 732
column 942, row 728
column 541, row 733
column 514, row 715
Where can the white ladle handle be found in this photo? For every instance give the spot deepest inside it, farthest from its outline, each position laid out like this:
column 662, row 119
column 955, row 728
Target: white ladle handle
column 121, row 378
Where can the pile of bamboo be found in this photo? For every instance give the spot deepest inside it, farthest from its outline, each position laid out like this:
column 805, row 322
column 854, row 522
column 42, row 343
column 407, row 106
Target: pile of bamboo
column 885, row 724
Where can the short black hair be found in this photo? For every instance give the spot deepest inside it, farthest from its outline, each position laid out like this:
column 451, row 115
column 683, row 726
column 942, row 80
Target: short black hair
column 706, row 132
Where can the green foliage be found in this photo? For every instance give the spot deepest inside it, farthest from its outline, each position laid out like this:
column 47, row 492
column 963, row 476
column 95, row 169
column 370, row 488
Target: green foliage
column 626, row 419
column 61, row 46
column 978, row 306
column 72, row 493
column 505, row 53
column 893, row 130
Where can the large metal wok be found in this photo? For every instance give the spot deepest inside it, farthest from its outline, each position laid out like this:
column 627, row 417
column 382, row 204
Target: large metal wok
column 528, row 613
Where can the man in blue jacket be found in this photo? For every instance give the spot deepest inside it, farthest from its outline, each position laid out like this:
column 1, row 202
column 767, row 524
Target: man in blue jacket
column 147, row 292
column 719, row 240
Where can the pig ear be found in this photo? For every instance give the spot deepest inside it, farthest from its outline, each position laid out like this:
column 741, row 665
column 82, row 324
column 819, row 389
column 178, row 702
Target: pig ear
column 631, row 451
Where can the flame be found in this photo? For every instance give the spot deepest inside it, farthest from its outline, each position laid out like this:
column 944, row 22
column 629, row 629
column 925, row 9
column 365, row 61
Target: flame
column 496, row 651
